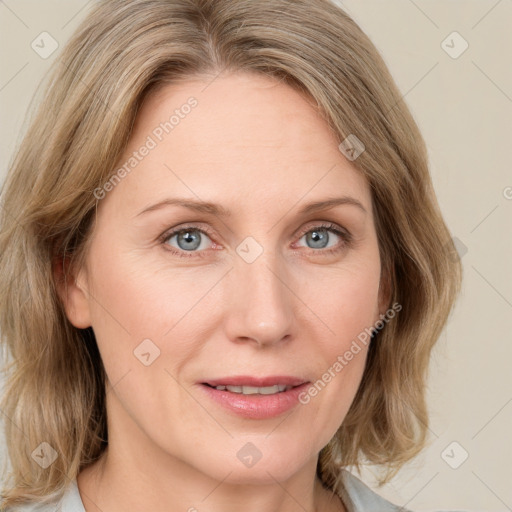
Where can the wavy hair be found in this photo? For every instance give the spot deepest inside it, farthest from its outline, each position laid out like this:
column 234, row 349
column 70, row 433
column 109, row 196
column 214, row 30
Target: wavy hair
column 124, row 49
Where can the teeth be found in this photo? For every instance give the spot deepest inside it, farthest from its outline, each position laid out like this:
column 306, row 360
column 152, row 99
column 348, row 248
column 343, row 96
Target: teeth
column 250, row 390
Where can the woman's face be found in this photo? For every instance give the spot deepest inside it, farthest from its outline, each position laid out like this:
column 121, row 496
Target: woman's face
column 256, row 290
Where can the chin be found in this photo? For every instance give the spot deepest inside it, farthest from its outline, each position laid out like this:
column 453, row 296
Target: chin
column 249, row 464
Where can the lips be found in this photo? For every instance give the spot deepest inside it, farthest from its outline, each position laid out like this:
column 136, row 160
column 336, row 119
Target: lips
column 253, row 397
column 256, row 382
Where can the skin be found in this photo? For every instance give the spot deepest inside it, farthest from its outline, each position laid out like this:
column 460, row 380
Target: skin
column 259, row 148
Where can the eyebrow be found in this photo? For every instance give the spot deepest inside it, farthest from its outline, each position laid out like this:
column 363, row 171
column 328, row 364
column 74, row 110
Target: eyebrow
column 221, row 211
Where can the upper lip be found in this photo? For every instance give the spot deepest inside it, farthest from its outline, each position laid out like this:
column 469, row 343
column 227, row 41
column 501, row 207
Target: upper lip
column 258, row 382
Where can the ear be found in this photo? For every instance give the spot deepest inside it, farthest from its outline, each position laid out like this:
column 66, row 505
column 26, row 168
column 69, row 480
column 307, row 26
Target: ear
column 73, row 295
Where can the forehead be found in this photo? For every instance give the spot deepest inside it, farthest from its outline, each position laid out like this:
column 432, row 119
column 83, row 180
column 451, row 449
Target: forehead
column 247, row 136
column 239, row 111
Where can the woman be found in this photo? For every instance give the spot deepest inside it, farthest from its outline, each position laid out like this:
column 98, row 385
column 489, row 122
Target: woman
column 223, row 265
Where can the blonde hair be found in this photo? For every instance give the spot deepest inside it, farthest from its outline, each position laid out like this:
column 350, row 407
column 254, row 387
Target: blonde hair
column 123, row 50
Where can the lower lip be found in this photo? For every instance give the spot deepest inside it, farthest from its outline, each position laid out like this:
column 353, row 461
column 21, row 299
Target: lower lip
column 256, row 406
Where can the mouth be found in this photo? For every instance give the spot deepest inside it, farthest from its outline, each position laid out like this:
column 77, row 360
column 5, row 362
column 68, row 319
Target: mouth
column 249, row 385
column 255, row 397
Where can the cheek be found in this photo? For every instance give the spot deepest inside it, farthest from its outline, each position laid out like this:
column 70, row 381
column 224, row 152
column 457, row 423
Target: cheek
column 144, row 333
column 135, row 299
column 344, row 298
column 346, row 302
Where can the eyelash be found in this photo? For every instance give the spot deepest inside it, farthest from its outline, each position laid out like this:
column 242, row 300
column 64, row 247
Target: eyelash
column 343, row 234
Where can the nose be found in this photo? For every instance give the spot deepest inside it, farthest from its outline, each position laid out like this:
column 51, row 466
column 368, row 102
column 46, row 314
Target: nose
column 260, row 308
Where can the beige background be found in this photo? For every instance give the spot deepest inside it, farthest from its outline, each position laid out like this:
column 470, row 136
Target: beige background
column 464, row 108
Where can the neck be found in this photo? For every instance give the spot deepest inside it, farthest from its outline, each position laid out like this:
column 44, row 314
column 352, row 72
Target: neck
column 113, row 484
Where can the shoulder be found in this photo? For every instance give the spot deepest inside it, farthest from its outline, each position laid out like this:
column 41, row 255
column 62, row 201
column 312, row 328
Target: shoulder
column 358, row 497
column 70, row 502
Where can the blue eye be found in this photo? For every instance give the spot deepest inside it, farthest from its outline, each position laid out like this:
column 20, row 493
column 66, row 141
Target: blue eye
column 189, row 240
column 319, row 237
